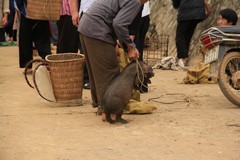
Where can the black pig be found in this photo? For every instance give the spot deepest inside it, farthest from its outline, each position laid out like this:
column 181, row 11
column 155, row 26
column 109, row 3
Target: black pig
column 118, row 94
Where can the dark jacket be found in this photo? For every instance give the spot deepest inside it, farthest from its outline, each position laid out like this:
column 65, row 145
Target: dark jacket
column 189, row 9
column 134, row 26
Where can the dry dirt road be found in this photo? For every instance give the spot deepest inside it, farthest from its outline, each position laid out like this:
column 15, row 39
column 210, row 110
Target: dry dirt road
column 207, row 128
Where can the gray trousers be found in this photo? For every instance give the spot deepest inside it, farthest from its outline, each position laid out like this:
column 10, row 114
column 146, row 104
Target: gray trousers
column 102, row 66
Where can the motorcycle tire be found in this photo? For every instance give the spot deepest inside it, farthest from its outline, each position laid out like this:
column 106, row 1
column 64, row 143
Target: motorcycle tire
column 225, row 76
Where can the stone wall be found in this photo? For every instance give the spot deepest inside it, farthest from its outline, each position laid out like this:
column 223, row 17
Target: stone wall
column 163, row 16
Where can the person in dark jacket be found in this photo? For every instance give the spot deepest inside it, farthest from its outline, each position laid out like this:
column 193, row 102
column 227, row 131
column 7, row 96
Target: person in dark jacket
column 190, row 13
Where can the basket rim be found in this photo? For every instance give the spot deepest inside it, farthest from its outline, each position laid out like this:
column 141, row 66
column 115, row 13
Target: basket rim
column 64, row 60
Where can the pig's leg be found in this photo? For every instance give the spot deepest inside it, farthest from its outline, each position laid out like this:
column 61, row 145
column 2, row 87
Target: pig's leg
column 120, row 119
column 103, row 116
column 113, row 116
column 109, row 118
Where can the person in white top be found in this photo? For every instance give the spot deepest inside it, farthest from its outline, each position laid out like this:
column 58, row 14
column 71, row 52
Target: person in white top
column 141, row 32
column 83, row 6
column 142, row 29
column 146, row 9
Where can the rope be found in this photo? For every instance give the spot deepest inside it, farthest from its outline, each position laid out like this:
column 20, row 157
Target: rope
column 187, row 99
column 141, row 79
column 45, row 12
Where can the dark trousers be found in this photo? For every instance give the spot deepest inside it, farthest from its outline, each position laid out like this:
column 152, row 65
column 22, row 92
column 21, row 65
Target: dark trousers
column 68, row 36
column 184, row 33
column 33, row 31
column 140, row 35
column 102, row 65
column 9, row 27
column 2, row 35
column 68, row 40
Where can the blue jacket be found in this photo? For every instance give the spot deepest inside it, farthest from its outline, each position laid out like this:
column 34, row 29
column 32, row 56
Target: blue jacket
column 21, row 4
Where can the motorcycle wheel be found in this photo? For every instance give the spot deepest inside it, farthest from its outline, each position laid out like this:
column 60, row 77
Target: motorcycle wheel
column 228, row 68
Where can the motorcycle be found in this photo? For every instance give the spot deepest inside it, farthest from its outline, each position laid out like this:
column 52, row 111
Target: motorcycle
column 222, row 46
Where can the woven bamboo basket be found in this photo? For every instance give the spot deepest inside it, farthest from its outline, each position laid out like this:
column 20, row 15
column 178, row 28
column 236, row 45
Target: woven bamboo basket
column 66, row 73
column 44, row 9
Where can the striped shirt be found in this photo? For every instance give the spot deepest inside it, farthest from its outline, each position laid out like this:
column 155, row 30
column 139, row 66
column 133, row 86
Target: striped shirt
column 66, row 9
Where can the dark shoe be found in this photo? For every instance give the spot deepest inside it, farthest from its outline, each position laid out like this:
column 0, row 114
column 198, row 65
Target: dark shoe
column 86, row 86
column 94, row 105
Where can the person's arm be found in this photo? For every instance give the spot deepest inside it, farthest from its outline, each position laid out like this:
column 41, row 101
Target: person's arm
column 15, row 21
column 133, row 53
column 5, row 19
column 6, row 12
column 121, row 22
column 134, row 26
column 74, row 12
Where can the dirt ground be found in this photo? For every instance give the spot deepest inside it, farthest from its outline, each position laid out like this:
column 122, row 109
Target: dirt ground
column 207, row 127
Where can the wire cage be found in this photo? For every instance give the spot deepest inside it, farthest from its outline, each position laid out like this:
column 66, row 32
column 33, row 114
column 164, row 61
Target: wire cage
column 156, row 47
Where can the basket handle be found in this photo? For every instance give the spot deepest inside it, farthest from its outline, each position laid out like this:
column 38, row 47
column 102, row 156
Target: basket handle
column 35, row 83
column 27, row 65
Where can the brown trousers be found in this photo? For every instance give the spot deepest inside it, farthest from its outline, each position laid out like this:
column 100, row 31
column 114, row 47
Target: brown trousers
column 102, row 65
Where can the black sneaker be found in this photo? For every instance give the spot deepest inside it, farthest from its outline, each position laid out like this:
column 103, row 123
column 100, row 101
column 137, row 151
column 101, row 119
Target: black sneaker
column 86, row 86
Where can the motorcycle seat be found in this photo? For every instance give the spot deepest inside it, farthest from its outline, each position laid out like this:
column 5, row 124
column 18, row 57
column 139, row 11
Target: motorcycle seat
column 230, row 29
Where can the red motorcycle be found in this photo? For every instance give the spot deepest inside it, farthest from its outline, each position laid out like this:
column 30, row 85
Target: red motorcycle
column 223, row 55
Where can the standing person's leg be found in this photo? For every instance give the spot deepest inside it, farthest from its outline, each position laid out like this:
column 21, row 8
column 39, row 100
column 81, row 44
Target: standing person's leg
column 102, row 64
column 68, row 41
column 2, row 35
column 189, row 35
column 25, row 41
column 68, row 37
column 8, row 31
column 140, row 38
column 15, row 25
column 144, row 22
column 89, row 71
column 54, row 32
column 9, row 27
column 14, row 34
column 42, row 38
column 181, row 41
column 86, row 83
